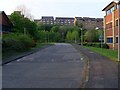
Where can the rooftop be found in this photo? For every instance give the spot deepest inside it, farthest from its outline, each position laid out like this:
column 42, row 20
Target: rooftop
column 64, row 18
column 116, row 2
column 47, row 17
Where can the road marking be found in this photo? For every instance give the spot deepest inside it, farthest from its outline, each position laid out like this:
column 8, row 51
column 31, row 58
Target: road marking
column 8, row 63
column 91, row 52
column 82, row 58
column 52, row 60
column 18, row 60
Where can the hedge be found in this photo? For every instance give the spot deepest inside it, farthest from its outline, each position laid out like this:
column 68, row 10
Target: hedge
column 98, row 45
column 17, row 42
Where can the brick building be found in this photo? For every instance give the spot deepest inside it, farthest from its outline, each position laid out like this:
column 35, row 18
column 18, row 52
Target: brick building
column 64, row 21
column 5, row 24
column 111, row 24
column 90, row 23
column 47, row 20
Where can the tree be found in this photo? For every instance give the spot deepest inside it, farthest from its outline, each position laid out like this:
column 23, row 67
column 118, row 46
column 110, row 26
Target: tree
column 55, row 28
column 63, row 31
column 92, row 36
column 75, row 35
column 24, row 11
column 24, row 25
column 69, row 36
column 18, row 22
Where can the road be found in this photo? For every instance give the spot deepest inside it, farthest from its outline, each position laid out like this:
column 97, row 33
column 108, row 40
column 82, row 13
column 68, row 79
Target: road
column 57, row 66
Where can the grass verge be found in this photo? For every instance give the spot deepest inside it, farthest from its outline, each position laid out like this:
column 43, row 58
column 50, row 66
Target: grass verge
column 12, row 53
column 111, row 54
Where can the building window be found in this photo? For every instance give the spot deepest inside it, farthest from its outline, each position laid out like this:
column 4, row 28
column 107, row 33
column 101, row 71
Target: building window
column 116, row 22
column 109, row 40
column 116, row 39
column 117, row 6
column 110, row 10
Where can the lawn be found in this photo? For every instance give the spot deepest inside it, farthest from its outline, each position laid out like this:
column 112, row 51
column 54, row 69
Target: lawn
column 111, row 54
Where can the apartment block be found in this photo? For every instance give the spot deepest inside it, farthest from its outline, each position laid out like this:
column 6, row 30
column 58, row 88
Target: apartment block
column 111, row 29
column 47, row 20
column 64, row 21
column 90, row 23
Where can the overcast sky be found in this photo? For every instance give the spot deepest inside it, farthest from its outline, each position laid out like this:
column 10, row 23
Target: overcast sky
column 58, row 8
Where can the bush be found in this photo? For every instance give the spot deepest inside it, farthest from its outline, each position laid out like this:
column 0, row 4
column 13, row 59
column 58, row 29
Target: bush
column 26, row 40
column 17, row 42
column 98, row 45
column 105, row 46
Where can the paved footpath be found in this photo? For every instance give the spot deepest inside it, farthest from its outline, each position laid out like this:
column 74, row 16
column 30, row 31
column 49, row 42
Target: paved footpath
column 57, row 66
column 103, row 73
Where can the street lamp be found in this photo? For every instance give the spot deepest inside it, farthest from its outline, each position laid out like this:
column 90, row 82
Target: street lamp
column 81, row 36
column 119, row 31
column 101, row 36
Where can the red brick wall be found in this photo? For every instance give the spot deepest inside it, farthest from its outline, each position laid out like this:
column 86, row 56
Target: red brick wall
column 110, row 46
column 109, row 32
column 116, row 46
column 108, row 18
column 116, row 30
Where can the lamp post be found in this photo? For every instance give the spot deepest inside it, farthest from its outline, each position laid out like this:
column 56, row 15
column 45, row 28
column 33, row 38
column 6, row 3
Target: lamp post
column 101, row 37
column 81, row 36
column 119, row 31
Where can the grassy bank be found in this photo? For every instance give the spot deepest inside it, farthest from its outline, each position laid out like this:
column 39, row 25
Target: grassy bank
column 13, row 53
column 111, row 54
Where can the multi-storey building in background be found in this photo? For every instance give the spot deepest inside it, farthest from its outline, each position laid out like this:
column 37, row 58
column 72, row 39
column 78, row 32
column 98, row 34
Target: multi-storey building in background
column 47, row 20
column 64, row 21
column 87, row 22
column 90, row 23
column 111, row 24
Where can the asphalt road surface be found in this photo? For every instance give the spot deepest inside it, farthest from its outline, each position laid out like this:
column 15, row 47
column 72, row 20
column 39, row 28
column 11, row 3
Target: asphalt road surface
column 57, row 66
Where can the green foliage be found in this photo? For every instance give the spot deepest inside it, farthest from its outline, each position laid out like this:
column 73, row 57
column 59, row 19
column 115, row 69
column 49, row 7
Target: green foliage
column 24, row 25
column 113, row 55
column 51, row 36
column 17, row 42
column 18, row 22
column 45, row 27
column 92, row 36
column 98, row 45
column 69, row 36
column 73, row 36
column 55, row 28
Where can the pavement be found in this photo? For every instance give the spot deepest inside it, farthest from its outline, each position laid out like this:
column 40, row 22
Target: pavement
column 103, row 72
column 57, row 66
column 13, row 58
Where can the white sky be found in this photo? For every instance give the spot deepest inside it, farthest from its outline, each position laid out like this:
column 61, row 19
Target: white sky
column 62, row 8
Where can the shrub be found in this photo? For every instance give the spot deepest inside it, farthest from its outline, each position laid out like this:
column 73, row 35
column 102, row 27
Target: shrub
column 105, row 46
column 98, row 45
column 26, row 40
column 17, row 42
